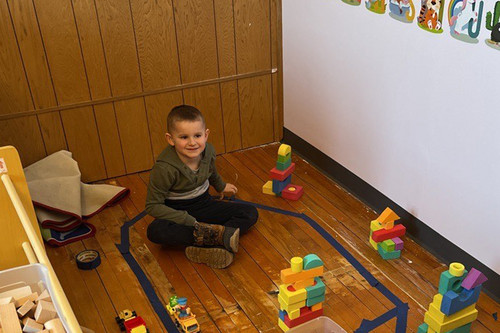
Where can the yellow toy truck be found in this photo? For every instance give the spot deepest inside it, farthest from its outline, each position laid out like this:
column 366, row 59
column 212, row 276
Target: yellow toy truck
column 184, row 318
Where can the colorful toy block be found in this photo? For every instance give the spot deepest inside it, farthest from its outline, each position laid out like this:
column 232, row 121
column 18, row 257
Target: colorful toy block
column 474, row 279
column 453, row 309
column 302, row 294
column 448, row 282
column 281, row 175
column 285, row 151
column 312, row 261
column 373, row 243
column 383, row 234
column 398, row 243
column 278, row 185
column 388, row 255
column 267, row 188
column 388, row 245
column 292, row 192
column 387, row 216
column 453, row 302
column 283, row 165
column 317, row 289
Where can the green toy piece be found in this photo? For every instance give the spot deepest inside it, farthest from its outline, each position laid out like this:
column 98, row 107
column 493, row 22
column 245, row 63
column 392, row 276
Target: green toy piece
column 449, row 282
column 283, row 165
column 423, row 328
column 317, row 290
column 388, row 255
column 315, row 300
column 173, row 301
column 312, row 261
column 284, row 159
column 492, row 21
column 388, row 245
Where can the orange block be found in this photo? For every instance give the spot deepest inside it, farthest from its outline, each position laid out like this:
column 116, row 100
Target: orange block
column 288, row 276
column 387, row 216
column 304, row 283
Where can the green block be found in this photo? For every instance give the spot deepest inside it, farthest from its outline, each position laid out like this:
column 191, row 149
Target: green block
column 312, row 261
column 449, row 282
column 423, row 328
column 284, row 159
column 283, row 165
column 388, row 245
column 388, row 255
column 317, row 290
column 315, row 300
column 374, row 226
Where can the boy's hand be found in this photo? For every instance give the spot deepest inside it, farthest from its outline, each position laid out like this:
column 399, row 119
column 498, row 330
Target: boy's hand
column 230, row 188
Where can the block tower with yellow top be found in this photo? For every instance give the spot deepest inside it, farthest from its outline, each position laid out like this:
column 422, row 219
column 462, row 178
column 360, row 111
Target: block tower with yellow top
column 302, row 293
column 281, row 176
column 453, row 309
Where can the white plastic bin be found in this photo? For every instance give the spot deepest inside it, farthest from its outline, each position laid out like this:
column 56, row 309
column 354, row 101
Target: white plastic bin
column 30, row 275
column 318, row 325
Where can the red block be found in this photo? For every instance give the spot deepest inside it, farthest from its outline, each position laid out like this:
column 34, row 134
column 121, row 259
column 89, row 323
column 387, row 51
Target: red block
column 292, row 192
column 281, row 175
column 383, row 234
column 305, row 315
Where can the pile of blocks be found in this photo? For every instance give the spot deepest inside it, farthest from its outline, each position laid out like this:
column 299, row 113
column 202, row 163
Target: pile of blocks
column 281, row 176
column 302, row 293
column 453, row 308
column 385, row 236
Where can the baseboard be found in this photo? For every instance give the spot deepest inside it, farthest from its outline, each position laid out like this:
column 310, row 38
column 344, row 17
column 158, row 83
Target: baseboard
column 428, row 238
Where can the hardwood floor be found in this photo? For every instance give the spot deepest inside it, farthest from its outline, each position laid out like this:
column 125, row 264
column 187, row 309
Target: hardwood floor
column 241, row 298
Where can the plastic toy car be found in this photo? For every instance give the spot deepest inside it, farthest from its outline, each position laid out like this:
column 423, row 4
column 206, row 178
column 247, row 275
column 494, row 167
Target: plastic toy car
column 184, row 318
column 130, row 322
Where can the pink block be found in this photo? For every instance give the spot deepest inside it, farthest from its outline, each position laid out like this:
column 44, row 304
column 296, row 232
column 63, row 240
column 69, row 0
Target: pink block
column 399, row 243
column 474, row 279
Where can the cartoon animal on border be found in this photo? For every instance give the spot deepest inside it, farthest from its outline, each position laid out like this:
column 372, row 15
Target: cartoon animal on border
column 402, row 10
column 431, row 16
column 465, row 17
column 376, row 6
column 493, row 24
column 352, row 2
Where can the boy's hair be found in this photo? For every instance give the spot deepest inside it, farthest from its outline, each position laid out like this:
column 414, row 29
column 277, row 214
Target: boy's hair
column 183, row 113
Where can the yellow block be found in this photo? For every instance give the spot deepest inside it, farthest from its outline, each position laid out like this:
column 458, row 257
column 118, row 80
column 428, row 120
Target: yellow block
column 374, row 226
column 289, row 276
column 304, row 283
column 297, row 264
column 440, row 323
column 317, row 306
column 292, row 296
column 294, row 314
column 373, row 243
column 284, row 150
column 290, row 307
column 456, row 269
column 282, row 325
column 267, row 188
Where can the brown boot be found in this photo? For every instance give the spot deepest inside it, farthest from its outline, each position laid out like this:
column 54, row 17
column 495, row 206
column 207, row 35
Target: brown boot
column 216, row 235
column 215, row 257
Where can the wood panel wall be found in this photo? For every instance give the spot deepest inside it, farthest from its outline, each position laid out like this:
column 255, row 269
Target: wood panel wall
column 98, row 77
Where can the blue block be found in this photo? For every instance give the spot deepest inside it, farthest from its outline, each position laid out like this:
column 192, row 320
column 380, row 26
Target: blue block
column 317, row 290
column 453, row 302
column 280, row 186
column 315, row 300
column 388, row 255
column 282, row 314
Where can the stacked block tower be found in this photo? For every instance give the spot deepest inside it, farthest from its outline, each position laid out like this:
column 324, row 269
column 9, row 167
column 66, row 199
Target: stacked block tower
column 302, row 293
column 453, row 308
column 385, row 236
column 281, row 176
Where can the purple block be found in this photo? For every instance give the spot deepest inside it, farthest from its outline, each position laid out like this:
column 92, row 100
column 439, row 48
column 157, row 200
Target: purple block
column 474, row 279
column 398, row 242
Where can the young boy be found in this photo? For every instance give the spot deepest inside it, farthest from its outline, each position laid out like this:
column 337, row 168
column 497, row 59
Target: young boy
column 186, row 214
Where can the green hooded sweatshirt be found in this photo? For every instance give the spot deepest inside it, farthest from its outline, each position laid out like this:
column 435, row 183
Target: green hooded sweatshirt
column 170, row 174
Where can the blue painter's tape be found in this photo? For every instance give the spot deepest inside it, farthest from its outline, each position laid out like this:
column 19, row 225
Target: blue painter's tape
column 124, row 248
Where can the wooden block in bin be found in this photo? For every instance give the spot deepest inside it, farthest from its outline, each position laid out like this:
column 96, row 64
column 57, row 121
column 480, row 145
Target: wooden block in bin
column 20, row 301
column 55, row 326
column 44, row 296
column 7, row 300
column 44, row 312
column 25, row 308
column 31, row 326
column 9, row 319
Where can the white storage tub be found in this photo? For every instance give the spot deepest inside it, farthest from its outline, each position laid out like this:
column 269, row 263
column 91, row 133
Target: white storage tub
column 30, row 275
column 318, row 325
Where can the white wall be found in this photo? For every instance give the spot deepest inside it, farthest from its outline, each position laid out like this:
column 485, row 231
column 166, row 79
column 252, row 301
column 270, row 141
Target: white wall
column 414, row 114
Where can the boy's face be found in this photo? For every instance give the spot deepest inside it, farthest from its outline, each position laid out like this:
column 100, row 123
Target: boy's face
column 188, row 138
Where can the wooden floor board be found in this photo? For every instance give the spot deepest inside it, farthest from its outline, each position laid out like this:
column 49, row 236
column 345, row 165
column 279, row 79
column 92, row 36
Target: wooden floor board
column 242, row 298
